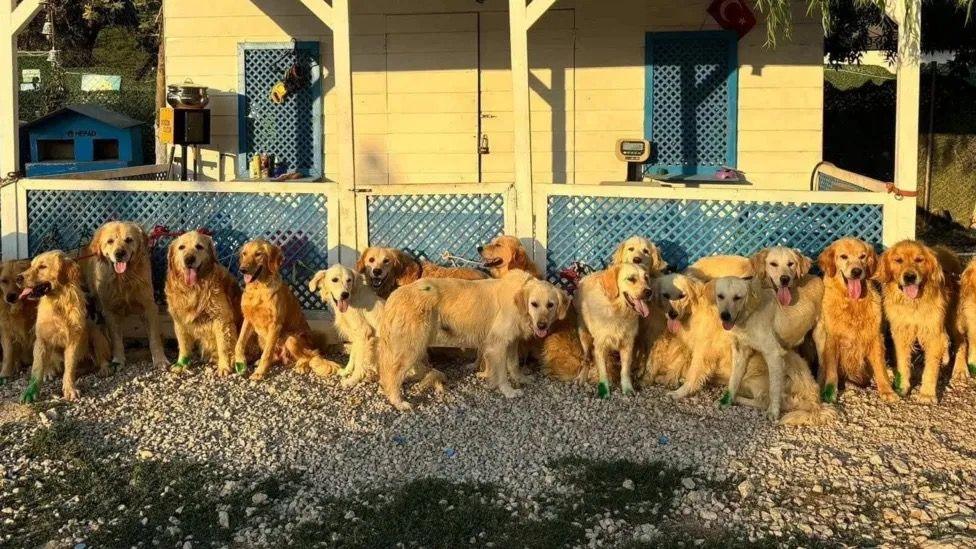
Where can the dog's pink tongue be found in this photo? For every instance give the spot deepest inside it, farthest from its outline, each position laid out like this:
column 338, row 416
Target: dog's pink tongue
column 191, row 277
column 727, row 324
column 248, row 278
column 343, row 305
column 854, row 288
column 120, row 266
column 25, row 293
column 641, row 307
column 784, row 296
column 540, row 333
column 673, row 325
column 911, row 291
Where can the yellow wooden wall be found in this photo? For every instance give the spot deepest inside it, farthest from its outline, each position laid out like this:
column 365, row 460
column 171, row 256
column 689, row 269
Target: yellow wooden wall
column 417, row 122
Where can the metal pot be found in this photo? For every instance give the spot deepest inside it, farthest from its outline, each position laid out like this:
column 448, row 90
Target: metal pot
column 187, row 96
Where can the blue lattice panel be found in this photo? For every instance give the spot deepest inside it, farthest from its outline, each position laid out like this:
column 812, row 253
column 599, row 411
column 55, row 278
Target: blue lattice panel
column 296, row 222
column 427, row 225
column 588, row 228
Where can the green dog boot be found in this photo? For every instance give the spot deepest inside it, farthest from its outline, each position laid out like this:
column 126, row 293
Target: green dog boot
column 829, row 394
column 726, row 399
column 896, row 384
column 240, row 368
column 31, row 392
column 3, row 381
column 972, row 369
column 180, row 365
column 603, row 389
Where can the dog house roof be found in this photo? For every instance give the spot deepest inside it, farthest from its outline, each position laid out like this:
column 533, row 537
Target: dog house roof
column 101, row 114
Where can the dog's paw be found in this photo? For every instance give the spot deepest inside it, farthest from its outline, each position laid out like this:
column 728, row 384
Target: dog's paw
column 240, row 368
column 923, row 397
column 3, row 381
column 773, row 414
column 70, row 393
column 32, row 391
column 509, row 392
column 829, row 394
column 106, row 370
column 350, row 382
column 889, row 396
column 726, row 400
column 971, row 368
column 675, row 394
column 603, row 390
column 256, row 376
column 402, row 406
column 180, row 365
column 161, row 362
column 224, row 370
column 627, row 389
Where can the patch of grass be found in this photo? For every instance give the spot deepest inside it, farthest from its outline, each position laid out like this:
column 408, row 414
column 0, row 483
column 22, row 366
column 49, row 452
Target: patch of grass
column 136, row 498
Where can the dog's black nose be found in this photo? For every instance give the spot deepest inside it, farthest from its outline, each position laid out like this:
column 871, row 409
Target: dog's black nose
column 119, row 255
column 638, row 259
column 189, row 260
column 377, row 272
column 726, row 316
column 481, row 249
column 911, row 277
column 672, row 314
column 541, row 325
column 856, row 272
column 20, row 280
column 11, row 298
column 344, row 295
column 784, row 280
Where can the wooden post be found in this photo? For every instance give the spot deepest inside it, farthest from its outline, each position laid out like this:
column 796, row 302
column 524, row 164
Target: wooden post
column 518, row 36
column 13, row 20
column 900, row 223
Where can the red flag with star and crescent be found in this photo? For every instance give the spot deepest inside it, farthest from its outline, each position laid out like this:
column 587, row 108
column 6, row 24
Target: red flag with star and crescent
column 733, row 15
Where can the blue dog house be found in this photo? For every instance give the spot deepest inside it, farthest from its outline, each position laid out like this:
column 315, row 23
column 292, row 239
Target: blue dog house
column 82, row 138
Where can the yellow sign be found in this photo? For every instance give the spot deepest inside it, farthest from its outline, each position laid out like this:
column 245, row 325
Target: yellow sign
column 167, row 121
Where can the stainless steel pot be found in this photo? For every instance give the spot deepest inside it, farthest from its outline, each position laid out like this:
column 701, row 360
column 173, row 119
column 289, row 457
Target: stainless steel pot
column 187, row 96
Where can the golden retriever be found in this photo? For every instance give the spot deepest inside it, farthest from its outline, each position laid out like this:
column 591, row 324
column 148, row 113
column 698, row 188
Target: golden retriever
column 492, row 315
column 273, row 313
column 119, row 274
column 641, row 252
column 610, row 305
column 63, row 327
column 769, row 314
column 716, row 266
column 387, row 269
column 851, row 320
column 917, row 286
column 204, row 302
column 965, row 362
column 357, row 311
column 504, row 254
column 17, row 319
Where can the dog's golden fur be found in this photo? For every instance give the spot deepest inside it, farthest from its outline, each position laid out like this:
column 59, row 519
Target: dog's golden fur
column 716, row 266
column 119, row 275
column 504, row 254
column 965, row 362
column 357, row 311
column 610, row 305
column 641, row 252
column 17, row 319
column 203, row 300
column 387, row 269
column 63, row 327
column 273, row 313
column 918, row 284
column 491, row 315
column 853, row 348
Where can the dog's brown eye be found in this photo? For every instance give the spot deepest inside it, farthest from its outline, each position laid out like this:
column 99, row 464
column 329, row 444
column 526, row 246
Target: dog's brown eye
column 372, row 260
column 386, row 261
column 790, row 264
column 647, row 252
column 918, row 260
column 182, row 247
column 128, row 240
column 844, row 256
column 736, row 298
column 111, row 241
column 862, row 256
column 774, row 264
column 899, row 260
column 550, row 305
column 721, row 296
column 630, row 249
column 199, row 247
column 41, row 267
column 335, row 279
column 534, row 305
column 681, row 295
column 632, row 279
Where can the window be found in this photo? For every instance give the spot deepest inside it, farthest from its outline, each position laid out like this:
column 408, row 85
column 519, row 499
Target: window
column 690, row 102
column 106, row 149
column 55, row 150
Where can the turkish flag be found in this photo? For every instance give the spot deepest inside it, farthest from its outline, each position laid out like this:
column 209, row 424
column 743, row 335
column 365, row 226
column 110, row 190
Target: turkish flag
column 733, row 15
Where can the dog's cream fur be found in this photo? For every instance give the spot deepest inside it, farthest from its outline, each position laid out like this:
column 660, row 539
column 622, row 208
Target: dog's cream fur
column 358, row 311
column 17, row 318
column 917, row 287
column 770, row 314
column 272, row 312
column 851, row 320
column 63, row 327
column 610, row 305
column 204, row 301
column 491, row 315
column 641, row 252
column 716, row 266
column 119, row 274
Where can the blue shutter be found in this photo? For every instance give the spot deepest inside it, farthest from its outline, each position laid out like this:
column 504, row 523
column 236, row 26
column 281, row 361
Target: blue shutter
column 691, row 101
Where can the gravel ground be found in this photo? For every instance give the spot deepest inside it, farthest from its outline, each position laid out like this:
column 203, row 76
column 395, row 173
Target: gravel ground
column 297, row 460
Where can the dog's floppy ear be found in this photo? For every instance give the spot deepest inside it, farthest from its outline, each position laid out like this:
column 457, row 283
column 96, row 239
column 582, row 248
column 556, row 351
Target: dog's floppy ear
column 618, row 253
column 95, row 247
column 871, row 260
column 407, row 268
column 143, row 235
column 758, row 261
column 708, row 290
column 827, row 261
column 211, row 247
column 609, row 281
column 361, row 262
column 695, row 289
column 938, row 274
column 658, row 264
column 563, row 302
column 68, row 271
column 313, row 285
column 274, row 259
column 520, row 259
column 519, row 300
column 171, row 257
column 803, row 263
column 884, row 274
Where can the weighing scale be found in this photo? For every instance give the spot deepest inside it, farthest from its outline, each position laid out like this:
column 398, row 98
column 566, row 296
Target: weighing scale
column 634, row 152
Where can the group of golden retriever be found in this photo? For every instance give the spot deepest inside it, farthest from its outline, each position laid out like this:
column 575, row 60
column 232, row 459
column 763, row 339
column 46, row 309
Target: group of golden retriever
column 752, row 324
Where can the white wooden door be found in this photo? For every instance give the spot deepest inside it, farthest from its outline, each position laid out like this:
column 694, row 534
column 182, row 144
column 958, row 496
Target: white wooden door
column 432, row 98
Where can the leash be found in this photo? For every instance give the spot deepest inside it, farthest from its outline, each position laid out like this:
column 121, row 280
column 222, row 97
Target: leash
column 457, row 261
column 899, row 193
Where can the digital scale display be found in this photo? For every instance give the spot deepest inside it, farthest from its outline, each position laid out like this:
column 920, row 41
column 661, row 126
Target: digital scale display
column 632, row 147
column 633, row 150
